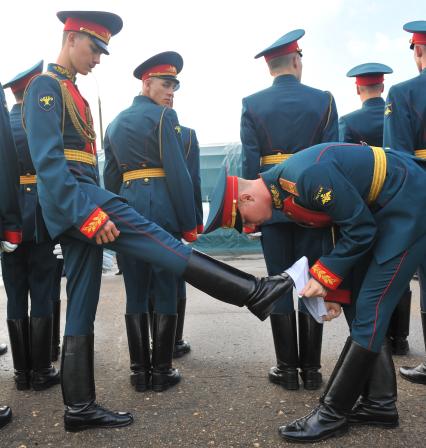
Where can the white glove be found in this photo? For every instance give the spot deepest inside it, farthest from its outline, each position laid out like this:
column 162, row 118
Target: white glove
column 57, row 251
column 7, row 247
column 107, row 261
column 254, row 236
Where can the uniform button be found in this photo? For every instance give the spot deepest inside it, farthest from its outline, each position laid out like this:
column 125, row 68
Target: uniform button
column 127, row 183
column 146, row 179
column 144, row 165
column 28, row 189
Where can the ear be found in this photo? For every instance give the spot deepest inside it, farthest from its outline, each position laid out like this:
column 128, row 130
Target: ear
column 418, row 51
column 295, row 61
column 71, row 38
column 246, row 197
column 357, row 90
column 383, row 88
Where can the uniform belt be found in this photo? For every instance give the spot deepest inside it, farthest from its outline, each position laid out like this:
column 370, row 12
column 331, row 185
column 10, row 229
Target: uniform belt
column 74, row 155
column 274, row 159
column 145, row 173
column 379, row 174
column 28, row 179
column 420, row 153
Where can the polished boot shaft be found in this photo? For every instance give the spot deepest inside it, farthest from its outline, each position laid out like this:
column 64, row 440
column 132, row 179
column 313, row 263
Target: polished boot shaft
column 236, row 287
column 310, row 344
column 20, row 346
column 182, row 347
column 285, row 342
column 56, row 329
column 137, row 326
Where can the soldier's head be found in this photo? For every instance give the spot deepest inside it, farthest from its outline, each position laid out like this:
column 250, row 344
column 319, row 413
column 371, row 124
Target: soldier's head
column 159, row 77
column 85, row 38
column 418, row 42
column 237, row 203
column 19, row 83
column 284, row 56
column 369, row 79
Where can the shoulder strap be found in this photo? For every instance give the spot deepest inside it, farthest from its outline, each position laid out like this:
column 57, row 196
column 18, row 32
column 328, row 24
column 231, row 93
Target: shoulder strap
column 160, row 132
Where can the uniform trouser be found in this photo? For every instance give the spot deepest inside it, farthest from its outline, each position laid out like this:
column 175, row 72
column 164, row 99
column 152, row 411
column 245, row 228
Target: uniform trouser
column 283, row 244
column 422, row 283
column 139, row 238
column 379, row 293
column 56, row 284
column 29, row 269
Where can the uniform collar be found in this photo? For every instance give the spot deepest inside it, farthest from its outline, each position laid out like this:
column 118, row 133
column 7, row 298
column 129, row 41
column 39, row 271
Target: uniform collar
column 284, row 79
column 61, row 72
column 372, row 102
column 16, row 107
column 143, row 99
column 423, row 72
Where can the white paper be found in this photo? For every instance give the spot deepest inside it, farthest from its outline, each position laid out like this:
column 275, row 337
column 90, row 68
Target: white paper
column 299, row 272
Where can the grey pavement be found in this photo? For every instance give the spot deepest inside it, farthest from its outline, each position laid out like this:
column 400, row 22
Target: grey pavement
column 224, row 399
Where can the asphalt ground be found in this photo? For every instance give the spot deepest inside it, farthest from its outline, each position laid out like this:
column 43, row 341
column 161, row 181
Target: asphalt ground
column 224, row 399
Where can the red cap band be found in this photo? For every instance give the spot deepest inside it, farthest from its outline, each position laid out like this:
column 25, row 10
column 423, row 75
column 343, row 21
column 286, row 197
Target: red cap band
column 369, row 80
column 21, row 85
column 230, row 206
column 160, row 70
column 83, row 26
column 286, row 49
column 418, row 38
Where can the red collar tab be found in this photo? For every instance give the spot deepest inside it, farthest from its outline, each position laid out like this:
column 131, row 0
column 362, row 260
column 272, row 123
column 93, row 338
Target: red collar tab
column 230, row 203
column 369, row 80
column 91, row 28
column 304, row 216
column 160, row 70
column 281, row 51
column 418, row 38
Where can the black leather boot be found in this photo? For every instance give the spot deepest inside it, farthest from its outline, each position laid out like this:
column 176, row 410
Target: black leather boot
column 416, row 374
column 399, row 327
column 56, row 329
column 20, row 346
column 78, row 389
column 346, row 383
column 3, row 349
column 5, row 415
column 285, row 342
column 376, row 406
column 230, row 285
column 137, row 326
column 163, row 340
column 44, row 375
column 182, row 347
column 310, row 343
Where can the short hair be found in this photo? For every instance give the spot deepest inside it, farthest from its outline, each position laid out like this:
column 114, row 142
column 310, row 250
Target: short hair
column 65, row 35
column 372, row 88
column 281, row 62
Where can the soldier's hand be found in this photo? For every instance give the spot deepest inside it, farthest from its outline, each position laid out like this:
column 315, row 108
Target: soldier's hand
column 107, row 234
column 313, row 289
column 333, row 310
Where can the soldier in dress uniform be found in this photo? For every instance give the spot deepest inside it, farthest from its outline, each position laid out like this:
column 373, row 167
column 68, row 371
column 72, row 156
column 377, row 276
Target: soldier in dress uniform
column 366, row 125
column 10, row 213
column 276, row 123
column 405, row 130
column 145, row 142
column 85, row 218
column 30, row 269
column 368, row 193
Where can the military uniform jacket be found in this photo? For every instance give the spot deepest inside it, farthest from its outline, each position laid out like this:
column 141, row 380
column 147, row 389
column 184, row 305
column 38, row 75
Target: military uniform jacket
column 68, row 188
column 27, row 192
column 192, row 155
column 147, row 136
column 284, row 118
column 334, row 180
column 10, row 214
column 365, row 124
column 405, row 116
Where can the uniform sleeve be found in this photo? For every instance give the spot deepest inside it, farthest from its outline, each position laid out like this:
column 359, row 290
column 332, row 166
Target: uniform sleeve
column 112, row 174
column 193, row 162
column 58, row 189
column 398, row 132
column 344, row 131
column 251, row 150
column 323, row 187
column 330, row 131
column 177, row 176
column 10, row 214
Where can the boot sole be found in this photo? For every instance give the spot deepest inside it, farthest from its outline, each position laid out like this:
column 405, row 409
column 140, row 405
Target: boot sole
column 292, row 386
column 84, row 427
column 338, row 433
column 376, row 424
column 412, row 380
column 41, row 387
